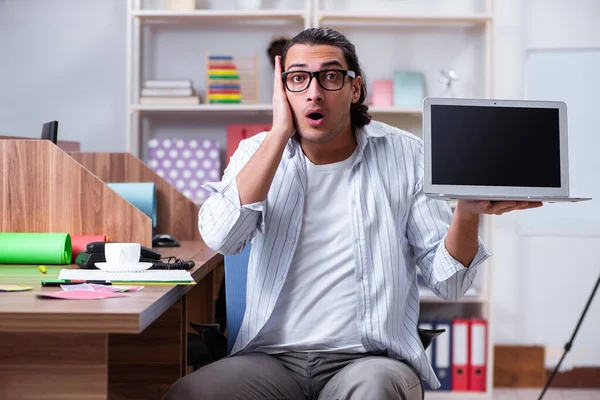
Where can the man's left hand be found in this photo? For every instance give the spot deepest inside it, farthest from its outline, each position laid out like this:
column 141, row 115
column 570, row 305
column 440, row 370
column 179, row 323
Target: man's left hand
column 494, row 207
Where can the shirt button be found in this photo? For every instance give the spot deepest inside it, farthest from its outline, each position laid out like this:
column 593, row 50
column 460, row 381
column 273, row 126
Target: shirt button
column 292, row 241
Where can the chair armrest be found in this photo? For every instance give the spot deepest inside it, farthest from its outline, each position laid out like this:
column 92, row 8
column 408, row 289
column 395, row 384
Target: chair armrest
column 427, row 335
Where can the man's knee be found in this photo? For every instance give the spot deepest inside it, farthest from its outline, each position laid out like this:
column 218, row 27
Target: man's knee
column 383, row 378
column 183, row 389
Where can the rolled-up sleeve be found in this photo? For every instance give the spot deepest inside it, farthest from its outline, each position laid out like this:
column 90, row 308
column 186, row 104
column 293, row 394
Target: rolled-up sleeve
column 428, row 225
column 225, row 225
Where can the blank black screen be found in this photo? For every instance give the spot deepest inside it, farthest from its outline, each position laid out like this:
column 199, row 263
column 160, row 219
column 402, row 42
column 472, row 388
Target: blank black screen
column 495, row 146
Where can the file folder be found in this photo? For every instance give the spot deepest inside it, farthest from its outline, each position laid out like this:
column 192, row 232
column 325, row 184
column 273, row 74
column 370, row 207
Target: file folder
column 460, row 354
column 478, row 363
column 442, row 355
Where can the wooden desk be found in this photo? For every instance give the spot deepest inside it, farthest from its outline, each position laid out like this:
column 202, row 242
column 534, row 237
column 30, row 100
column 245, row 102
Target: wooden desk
column 122, row 348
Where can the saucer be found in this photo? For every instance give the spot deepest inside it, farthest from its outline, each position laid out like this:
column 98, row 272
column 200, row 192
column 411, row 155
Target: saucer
column 125, row 267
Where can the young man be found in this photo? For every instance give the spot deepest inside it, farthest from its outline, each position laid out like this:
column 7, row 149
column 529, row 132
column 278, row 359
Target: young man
column 334, row 206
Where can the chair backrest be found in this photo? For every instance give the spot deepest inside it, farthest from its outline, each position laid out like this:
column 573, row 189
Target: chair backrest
column 236, row 273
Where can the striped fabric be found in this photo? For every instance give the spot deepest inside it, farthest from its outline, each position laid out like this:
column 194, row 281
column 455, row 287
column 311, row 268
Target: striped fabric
column 395, row 228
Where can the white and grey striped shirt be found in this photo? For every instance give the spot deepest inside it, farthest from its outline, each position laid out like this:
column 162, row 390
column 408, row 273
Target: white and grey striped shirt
column 395, row 228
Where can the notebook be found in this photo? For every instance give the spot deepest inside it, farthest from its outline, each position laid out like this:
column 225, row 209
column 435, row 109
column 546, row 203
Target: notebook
column 165, row 276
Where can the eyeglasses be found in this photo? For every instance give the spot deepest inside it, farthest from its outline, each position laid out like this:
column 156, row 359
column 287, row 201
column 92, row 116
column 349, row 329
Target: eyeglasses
column 330, row 79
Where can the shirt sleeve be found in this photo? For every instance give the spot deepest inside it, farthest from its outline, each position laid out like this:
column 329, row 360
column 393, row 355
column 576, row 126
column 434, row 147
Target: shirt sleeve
column 428, row 224
column 226, row 225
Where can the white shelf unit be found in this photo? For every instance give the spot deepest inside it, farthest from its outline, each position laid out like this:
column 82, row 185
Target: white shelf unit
column 138, row 17
column 313, row 14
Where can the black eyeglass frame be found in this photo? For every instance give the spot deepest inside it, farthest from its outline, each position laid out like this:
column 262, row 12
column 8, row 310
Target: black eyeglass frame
column 317, row 74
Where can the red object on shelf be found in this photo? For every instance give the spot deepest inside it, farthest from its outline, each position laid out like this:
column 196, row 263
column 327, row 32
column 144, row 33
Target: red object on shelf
column 461, row 345
column 237, row 133
column 477, row 355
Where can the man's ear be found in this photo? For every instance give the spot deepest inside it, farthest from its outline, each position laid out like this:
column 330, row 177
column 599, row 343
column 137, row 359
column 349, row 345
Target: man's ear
column 356, row 85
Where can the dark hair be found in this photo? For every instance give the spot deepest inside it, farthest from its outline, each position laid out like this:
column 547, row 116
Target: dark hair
column 276, row 46
column 359, row 112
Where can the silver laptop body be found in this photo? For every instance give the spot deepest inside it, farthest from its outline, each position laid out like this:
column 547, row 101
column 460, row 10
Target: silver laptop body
column 499, row 150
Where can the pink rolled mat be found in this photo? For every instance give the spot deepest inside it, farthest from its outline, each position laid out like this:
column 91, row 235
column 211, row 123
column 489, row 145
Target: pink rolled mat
column 80, row 243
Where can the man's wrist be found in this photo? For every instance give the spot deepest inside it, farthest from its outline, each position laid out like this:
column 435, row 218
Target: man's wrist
column 465, row 216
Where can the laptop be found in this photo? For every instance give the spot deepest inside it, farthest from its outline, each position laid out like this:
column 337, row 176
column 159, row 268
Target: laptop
column 498, row 150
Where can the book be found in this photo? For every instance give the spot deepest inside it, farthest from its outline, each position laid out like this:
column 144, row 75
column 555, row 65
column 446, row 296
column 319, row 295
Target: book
column 151, row 92
column 169, row 100
column 154, row 275
column 168, row 83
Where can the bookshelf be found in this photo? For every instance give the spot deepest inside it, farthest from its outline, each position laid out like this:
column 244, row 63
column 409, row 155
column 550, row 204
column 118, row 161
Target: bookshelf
column 424, row 35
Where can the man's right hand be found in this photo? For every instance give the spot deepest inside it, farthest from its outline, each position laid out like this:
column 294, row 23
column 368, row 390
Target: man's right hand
column 255, row 178
column 283, row 123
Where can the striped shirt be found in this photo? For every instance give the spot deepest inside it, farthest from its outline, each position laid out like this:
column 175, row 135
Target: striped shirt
column 395, row 228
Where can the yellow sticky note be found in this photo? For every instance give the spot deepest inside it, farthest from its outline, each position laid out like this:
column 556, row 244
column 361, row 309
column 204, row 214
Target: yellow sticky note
column 14, row 288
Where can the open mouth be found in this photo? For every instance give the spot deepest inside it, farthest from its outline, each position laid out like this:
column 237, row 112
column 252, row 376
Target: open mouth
column 315, row 118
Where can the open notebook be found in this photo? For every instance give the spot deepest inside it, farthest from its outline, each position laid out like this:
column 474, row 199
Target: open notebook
column 165, row 276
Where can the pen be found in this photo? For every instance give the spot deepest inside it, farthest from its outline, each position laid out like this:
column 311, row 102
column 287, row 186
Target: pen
column 59, row 282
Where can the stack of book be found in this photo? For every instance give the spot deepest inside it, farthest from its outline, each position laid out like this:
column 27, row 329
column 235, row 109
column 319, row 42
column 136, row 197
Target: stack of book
column 168, row 92
column 223, row 81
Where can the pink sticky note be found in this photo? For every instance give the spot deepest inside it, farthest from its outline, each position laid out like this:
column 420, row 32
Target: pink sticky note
column 80, row 295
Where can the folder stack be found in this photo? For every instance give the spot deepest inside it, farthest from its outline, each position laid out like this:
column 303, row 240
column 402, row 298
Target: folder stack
column 459, row 356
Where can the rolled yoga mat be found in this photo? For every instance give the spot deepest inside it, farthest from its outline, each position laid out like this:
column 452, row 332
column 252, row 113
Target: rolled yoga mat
column 35, row 248
column 141, row 194
column 80, row 243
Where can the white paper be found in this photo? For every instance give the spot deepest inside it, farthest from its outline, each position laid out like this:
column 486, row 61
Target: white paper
column 141, row 276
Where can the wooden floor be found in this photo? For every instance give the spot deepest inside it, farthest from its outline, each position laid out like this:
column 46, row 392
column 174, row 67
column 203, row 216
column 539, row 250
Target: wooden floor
column 552, row 394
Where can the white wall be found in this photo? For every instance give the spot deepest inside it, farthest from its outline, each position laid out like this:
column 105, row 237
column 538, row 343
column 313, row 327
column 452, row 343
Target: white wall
column 64, row 60
column 544, row 275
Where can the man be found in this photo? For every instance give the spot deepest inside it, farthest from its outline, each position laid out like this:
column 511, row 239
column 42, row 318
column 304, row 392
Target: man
column 334, row 206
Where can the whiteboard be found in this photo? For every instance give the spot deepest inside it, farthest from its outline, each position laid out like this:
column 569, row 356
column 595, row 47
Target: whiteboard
column 572, row 76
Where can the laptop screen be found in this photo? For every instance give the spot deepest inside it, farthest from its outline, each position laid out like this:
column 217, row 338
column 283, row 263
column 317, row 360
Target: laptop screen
column 495, row 146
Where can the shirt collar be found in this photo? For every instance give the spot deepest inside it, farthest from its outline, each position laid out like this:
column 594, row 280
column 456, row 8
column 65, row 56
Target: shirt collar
column 363, row 134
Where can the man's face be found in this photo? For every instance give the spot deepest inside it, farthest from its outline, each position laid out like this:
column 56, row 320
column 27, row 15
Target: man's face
column 320, row 115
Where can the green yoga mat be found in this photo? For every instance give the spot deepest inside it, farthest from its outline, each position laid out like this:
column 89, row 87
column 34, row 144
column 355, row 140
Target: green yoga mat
column 35, row 248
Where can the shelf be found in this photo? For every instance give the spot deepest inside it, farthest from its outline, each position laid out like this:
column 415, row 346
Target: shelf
column 251, row 108
column 229, row 15
column 217, row 108
column 464, row 300
column 395, row 110
column 440, row 395
column 339, row 18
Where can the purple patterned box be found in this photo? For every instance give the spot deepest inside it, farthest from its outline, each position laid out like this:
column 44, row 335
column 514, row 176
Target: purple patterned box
column 186, row 164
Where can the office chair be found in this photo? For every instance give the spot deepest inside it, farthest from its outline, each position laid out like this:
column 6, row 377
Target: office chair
column 50, row 131
column 236, row 270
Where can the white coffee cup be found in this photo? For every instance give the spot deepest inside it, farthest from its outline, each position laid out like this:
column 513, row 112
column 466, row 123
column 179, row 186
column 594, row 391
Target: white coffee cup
column 122, row 253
